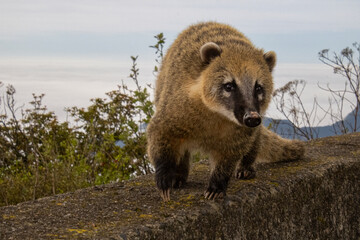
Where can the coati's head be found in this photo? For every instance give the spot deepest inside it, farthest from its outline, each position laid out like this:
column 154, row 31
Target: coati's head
column 237, row 82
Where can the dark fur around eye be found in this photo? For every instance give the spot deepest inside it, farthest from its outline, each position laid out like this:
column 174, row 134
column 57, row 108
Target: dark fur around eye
column 229, row 87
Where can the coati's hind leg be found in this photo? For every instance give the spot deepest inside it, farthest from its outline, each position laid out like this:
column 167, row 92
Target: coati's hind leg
column 244, row 169
column 182, row 170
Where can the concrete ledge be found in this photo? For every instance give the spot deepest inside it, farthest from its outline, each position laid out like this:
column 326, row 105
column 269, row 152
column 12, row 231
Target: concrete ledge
column 315, row 198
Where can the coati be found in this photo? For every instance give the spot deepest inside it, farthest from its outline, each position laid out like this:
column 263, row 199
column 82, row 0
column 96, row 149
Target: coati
column 212, row 90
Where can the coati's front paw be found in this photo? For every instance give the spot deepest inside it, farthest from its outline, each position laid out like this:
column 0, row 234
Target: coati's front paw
column 245, row 173
column 164, row 184
column 211, row 193
column 217, row 187
column 165, row 189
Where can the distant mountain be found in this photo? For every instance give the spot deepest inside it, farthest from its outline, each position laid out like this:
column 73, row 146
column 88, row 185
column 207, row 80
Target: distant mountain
column 284, row 128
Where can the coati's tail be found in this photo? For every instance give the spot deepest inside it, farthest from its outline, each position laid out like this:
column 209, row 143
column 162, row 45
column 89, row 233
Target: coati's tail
column 274, row 148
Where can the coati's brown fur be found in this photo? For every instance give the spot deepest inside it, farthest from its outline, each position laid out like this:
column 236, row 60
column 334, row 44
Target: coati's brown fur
column 212, row 89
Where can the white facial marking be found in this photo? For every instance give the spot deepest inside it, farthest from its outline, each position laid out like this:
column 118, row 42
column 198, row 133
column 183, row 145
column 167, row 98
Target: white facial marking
column 226, row 94
column 228, row 79
column 261, row 97
column 213, row 91
column 226, row 113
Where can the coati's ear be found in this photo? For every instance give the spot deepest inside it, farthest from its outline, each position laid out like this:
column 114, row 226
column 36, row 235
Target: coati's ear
column 270, row 58
column 209, row 51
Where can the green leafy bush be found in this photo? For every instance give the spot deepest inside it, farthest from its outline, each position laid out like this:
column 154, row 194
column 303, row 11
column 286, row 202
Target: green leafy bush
column 106, row 142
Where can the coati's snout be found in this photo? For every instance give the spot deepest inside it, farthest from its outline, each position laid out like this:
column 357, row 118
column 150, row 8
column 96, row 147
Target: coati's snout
column 252, row 119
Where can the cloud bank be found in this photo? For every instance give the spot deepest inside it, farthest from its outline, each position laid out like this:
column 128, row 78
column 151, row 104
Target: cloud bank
column 108, row 16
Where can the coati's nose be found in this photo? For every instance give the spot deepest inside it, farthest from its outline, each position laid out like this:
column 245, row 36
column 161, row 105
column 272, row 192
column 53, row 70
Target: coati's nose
column 252, row 119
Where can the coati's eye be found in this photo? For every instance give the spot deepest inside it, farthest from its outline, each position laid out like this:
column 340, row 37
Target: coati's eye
column 258, row 89
column 229, row 87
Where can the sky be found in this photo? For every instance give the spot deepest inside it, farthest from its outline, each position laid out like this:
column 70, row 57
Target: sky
column 74, row 50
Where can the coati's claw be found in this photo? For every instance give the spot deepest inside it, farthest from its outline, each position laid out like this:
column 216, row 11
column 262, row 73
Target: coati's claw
column 218, row 195
column 213, row 195
column 165, row 194
column 245, row 174
column 208, row 195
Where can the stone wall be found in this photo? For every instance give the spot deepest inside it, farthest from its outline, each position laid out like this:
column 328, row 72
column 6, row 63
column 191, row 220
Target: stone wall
column 315, row 198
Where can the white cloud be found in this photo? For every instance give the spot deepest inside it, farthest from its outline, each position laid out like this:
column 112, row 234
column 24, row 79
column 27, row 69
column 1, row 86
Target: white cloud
column 111, row 16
